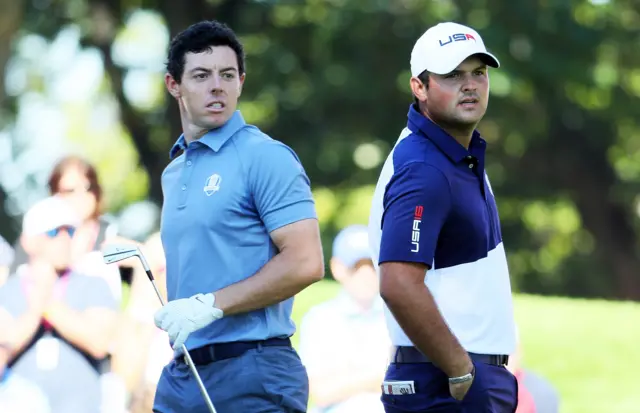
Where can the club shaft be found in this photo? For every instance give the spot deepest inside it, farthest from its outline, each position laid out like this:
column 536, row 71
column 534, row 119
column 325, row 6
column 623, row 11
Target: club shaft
column 155, row 287
column 203, row 390
column 187, row 356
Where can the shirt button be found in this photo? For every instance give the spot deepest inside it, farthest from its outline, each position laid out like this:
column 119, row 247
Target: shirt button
column 184, row 187
column 471, row 166
column 189, row 163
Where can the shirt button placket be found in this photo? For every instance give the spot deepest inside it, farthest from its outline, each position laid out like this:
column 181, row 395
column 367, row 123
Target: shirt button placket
column 186, row 176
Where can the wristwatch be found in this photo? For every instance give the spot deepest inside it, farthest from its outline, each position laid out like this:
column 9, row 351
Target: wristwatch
column 463, row 379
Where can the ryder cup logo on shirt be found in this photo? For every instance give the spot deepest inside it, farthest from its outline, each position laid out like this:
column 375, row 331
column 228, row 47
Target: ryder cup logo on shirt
column 212, row 185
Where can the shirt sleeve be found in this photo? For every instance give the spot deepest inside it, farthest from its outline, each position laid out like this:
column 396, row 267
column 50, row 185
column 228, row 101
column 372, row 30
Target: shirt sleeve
column 417, row 202
column 280, row 186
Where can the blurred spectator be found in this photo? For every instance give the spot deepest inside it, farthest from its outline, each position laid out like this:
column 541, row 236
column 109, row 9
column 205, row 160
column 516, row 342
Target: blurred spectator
column 63, row 321
column 6, row 258
column 535, row 394
column 17, row 395
column 344, row 342
column 143, row 349
column 76, row 180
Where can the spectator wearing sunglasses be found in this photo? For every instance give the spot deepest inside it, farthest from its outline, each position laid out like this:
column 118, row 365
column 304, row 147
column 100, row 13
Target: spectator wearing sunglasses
column 63, row 320
column 76, row 181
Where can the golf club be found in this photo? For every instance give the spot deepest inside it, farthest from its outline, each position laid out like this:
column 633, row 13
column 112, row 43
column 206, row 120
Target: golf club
column 115, row 253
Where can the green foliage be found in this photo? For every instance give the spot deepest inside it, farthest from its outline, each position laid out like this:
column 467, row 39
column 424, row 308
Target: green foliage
column 570, row 342
column 330, row 78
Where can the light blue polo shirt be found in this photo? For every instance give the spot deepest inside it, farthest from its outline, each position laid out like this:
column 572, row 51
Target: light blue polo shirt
column 223, row 196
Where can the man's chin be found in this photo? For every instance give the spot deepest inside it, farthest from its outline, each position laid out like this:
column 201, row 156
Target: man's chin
column 469, row 119
column 214, row 121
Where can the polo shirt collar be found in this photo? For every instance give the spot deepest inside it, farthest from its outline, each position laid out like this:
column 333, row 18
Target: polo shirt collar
column 215, row 138
column 418, row 123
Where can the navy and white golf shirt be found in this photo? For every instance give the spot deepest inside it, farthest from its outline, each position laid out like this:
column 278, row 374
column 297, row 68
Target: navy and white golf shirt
column 433, row 204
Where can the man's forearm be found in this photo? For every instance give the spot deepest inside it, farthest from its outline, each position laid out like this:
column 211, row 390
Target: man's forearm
column 24, row 328
column 285, row 275
column 415, row 310
column 80, row 330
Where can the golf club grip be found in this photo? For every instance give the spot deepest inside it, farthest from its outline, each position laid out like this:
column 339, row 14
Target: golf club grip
column 149, row 274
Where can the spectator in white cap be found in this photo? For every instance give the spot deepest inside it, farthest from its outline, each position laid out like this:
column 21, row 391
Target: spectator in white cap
column 63, row 320
column 344, row 342
column 437, row 243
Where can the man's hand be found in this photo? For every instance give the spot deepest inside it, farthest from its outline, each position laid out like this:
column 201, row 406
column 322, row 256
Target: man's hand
column 43, row 278
column 179, row 318
column 459, row 390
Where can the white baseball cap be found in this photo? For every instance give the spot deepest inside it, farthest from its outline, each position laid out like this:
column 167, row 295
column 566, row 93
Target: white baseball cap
column 352, row 245
column 48, row 214
column 444, row 46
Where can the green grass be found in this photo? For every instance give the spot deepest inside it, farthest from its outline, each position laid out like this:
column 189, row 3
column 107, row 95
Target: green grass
column 589, row 349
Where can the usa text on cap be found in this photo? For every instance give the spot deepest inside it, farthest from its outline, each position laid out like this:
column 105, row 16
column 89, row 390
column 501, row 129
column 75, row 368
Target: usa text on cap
column 444, row 46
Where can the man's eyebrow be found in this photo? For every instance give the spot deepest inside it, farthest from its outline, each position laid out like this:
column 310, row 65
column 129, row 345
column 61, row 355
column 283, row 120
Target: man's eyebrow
column 204, row 69
column 199, row 69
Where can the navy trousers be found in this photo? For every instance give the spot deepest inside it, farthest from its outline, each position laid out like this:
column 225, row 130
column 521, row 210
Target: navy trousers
column 494, row 390
column 264, row 380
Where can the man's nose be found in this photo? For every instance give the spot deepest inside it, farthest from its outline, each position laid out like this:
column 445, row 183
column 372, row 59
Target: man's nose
column 470, row 83
column 216, row 83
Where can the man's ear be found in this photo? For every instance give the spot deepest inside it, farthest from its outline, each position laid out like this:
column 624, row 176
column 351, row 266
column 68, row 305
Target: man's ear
column 418, row 89
column 172, row 86
column 338, row 269
column 242, row 77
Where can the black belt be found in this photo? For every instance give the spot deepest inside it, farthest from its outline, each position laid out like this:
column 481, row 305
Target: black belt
column 403, row 355
column 221, row 351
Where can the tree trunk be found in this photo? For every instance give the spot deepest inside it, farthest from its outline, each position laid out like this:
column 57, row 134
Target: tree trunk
column 579, row 167
column 10, row 20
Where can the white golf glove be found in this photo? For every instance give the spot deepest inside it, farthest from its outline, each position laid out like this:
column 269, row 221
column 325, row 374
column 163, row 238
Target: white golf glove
column 179, row 318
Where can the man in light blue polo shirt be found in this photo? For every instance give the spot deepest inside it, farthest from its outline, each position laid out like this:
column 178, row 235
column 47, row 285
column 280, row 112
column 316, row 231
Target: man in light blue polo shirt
column 241, row 238
column 434, row 212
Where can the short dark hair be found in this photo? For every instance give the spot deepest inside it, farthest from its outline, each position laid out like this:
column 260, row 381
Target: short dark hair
column 196, row 39
column 424, row 78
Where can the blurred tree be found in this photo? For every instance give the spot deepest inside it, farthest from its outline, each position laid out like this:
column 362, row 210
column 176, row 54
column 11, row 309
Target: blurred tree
column 565, row 129
column 330, row 78
column 10, row 21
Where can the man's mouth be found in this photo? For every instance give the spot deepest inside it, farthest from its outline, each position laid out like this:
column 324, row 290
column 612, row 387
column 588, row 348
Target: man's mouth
column 468, row 101
column 216, row 105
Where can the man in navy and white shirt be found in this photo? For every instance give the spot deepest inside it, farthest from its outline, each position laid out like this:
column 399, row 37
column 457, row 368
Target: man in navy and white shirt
column 436, row 240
